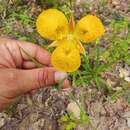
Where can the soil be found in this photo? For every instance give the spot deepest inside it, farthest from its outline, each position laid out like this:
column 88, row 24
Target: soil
column 42, row 110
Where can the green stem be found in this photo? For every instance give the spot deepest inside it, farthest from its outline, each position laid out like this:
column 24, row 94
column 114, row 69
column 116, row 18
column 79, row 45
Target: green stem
column 33, row 60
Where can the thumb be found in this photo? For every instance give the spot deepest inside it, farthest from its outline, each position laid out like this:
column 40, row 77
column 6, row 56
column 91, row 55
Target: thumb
column 36, row 78
column 16, row 82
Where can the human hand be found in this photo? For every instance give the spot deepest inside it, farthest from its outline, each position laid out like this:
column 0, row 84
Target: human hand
column 19, row 75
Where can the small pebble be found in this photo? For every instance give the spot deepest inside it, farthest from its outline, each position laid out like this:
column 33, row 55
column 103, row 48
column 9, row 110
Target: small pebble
column 74, row 108
column 128, row 122
column 123, row 73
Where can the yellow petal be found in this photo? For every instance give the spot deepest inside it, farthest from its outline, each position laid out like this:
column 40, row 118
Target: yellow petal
column 52, row 24
column 89, row 28
column 66, row 57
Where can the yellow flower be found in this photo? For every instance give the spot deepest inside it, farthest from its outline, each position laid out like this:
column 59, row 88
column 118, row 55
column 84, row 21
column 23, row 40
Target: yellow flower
column 53, row 25
column 89, row 28
column 66, row 56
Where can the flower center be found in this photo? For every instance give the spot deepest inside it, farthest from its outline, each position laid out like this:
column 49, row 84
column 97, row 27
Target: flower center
column 67, row 51
column 70, row 37
column 60, row 32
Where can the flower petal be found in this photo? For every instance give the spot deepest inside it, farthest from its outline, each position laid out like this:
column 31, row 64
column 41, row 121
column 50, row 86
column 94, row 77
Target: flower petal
column 52, row 24
column 66, row 57
column 89, row 28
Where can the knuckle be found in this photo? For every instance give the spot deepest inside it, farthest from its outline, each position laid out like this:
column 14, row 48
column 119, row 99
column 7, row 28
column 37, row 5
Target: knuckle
column 41, row 78
column 45, row 77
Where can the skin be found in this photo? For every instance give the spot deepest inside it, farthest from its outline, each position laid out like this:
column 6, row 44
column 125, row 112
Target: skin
column 18, row 75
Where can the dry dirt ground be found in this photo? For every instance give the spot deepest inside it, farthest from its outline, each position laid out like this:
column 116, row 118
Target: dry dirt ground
column 42, row 110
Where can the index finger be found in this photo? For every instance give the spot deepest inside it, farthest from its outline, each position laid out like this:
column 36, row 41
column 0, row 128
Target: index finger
column 35, row 51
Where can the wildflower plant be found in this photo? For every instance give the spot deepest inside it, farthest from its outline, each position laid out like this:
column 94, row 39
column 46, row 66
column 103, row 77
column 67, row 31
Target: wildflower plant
column 68, row 37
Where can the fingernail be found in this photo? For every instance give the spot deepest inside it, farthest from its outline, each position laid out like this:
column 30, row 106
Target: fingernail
column 60, row 76
column 66, row 85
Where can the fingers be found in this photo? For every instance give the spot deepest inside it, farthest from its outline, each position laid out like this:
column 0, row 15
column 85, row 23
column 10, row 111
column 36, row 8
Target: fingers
column 28, row 65
column 44, row 77
column 16, row 50
column 66, row 84
column 15, row 82
column 40, row 54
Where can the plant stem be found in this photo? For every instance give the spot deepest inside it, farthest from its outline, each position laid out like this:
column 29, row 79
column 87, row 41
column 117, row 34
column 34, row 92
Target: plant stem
column 33, row 60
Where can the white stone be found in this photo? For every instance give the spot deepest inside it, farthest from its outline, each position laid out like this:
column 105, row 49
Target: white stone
column 128, row 122
column 74, row 108
column 127, row 114
column 127, row 79
column 3, row 118
column 123, row 73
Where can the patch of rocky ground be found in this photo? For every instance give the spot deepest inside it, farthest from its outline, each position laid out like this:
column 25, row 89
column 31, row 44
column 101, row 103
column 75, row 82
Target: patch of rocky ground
column 42, row 110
